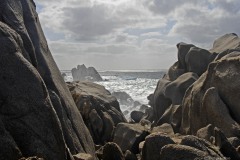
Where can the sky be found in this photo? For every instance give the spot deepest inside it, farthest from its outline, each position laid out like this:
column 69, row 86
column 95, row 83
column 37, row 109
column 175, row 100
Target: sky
column 132, row 34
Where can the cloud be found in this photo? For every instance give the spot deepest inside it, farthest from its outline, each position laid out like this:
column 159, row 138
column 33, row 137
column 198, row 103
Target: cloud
column 133, row 31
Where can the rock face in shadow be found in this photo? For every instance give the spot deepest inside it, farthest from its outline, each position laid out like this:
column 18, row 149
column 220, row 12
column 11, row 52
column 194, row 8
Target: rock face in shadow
column 100, row 110
column 82, row 73
column 40, row 124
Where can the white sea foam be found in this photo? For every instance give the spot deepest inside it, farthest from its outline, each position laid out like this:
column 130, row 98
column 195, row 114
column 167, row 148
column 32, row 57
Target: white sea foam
column 137, row 84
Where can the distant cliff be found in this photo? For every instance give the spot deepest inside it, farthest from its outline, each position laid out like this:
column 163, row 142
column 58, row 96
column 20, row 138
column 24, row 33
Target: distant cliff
column 82, row 73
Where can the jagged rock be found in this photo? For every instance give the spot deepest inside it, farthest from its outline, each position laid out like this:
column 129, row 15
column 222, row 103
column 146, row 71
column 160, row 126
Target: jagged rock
column 32, row 58
column 99, row 109
column 224, row 145
column 111, row 151
column 128, row 136
column 130, row 156
column 153, row 144
column 182, row 152
column 136, row 116
column 82, row 73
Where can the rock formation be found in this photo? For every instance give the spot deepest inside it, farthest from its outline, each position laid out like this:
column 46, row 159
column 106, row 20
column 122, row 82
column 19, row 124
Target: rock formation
column 41, row 119
column 82, row 73
column 100, row 110
column 38, row 116
column 199, row 95
column 189, row 102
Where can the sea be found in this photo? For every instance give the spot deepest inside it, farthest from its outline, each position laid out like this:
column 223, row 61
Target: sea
column 138, row 84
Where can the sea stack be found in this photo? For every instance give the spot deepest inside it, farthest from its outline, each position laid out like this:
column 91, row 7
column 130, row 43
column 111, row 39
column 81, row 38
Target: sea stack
column 82, row 73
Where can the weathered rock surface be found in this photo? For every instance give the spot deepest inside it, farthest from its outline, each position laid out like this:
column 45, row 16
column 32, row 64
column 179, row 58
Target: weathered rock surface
column 39, row 123
column 82, row 73
column 128, row 136
column 227, row 42
column 213, row 99
column 201, row 92
column 182, row 152
column 164, row 128
column 153, row 144
column 111, row 151
column 170, row 93
column 99, row 109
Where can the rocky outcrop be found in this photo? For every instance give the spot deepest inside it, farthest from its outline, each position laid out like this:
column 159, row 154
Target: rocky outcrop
column 82, row 73
column 213, row 99
column 37, row 111
column 99, row 109
column 189, row 102
column 199, row 93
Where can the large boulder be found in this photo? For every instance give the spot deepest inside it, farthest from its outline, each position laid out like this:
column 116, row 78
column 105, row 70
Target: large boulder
column 160, row 102
column 82, row 73
column 153, row 144
column 171, row 93
column 226, row 42
column 175, row 90
column 26, row 109
column 128, row 136
column 99, row 109
column 31, row 57
column 183, row 49
column 213, row 99
column 197, row 60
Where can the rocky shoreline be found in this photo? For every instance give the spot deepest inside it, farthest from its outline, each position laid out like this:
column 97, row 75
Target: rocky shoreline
column 194, row 110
